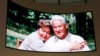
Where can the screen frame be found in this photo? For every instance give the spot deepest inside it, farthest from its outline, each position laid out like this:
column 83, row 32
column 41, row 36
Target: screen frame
column 9, row 51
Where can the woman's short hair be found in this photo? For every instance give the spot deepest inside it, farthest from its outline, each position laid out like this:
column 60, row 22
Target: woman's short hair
column 43, row 23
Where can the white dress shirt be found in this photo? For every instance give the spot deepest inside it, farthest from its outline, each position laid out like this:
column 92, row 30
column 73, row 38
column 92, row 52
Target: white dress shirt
column 55, row 44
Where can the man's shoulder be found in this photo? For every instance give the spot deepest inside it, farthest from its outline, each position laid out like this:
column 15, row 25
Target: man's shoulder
column 52, row 38
column 76, row 37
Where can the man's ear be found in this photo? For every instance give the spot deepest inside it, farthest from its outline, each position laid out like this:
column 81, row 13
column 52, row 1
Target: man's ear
column 66, row 26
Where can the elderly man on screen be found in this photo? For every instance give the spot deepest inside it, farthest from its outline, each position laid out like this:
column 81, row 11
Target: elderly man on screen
column 63, row 41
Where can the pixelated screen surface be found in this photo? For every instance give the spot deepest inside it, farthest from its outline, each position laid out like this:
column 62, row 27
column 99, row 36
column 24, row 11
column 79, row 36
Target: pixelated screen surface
column 22, row 21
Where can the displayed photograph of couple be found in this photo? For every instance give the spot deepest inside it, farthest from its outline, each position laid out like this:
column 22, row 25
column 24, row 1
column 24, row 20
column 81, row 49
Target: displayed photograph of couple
column 31, row 30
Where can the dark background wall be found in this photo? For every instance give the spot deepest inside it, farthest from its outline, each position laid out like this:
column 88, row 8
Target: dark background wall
column 92, row 5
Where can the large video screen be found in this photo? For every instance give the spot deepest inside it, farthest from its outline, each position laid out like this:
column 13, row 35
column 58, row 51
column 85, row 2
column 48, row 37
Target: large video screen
column 31, row 30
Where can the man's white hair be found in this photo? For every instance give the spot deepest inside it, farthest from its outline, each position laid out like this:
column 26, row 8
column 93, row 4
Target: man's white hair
column 58, row 17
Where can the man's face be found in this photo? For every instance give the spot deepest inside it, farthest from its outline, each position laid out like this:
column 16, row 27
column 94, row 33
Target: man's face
column 59, row 28
column 44, row 33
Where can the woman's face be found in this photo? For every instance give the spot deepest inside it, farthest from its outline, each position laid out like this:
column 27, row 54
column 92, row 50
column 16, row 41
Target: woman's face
column 44, row 33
